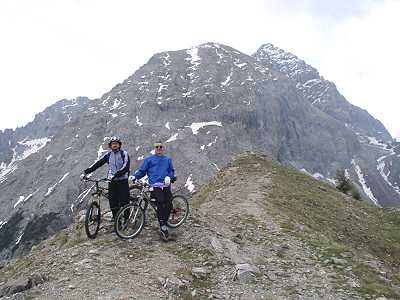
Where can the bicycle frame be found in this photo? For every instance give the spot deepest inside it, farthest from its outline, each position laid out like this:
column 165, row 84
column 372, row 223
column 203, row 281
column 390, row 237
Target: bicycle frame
column 144, row 197
column 98, row 192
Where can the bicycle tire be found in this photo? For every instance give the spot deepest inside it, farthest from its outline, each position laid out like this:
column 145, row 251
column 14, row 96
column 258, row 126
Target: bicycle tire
column 179, row 212
column 139, row 216
column 93, row 207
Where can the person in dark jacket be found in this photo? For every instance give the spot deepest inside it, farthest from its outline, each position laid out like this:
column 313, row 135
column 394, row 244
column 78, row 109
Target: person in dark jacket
column 118, row 171
column 161, row 173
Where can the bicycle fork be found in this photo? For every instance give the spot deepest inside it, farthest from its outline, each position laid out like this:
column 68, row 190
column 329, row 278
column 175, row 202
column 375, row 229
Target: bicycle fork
column 136, row 213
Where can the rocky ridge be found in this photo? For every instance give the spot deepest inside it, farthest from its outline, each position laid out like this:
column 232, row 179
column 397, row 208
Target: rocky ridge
column 240, row 242
column 208, row 103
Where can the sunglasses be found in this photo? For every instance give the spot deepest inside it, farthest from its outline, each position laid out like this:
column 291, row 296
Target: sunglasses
column 159, row 147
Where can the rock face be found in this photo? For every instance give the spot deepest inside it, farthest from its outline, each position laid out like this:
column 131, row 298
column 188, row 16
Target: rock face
column 375, row 165
column 207, row 103
column 320, row 92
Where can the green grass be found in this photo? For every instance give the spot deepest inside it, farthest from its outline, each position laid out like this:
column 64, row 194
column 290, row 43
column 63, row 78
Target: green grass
column 249, row 229
column 18, row 267
column 61, row 239
column 188, row 255
column 335, row 223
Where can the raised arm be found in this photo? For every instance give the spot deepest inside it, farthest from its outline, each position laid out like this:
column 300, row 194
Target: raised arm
column 97, row 164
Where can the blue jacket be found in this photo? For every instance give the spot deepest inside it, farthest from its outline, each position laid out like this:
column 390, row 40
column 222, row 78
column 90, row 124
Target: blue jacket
column 157, row 168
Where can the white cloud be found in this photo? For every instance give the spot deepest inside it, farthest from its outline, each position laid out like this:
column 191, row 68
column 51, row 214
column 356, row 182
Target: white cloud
column 63, row 49
column 362, row 59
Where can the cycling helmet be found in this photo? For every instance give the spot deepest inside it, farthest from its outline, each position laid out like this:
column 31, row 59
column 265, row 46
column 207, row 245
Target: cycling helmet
column 114, row 139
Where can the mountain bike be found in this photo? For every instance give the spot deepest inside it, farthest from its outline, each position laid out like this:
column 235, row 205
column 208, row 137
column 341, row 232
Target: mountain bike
column 131, row 218
column 93, row 211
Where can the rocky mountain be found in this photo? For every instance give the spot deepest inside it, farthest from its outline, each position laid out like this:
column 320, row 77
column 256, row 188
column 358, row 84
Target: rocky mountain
column 16, row 145
column 208, row 103
column 257, row 230
column 376, row 166
column 321, row 93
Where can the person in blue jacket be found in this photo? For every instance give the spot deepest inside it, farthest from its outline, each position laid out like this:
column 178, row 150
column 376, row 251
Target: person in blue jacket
column 161, row 173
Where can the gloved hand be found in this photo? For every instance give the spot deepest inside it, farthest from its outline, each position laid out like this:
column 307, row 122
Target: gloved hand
column 167, row 180
column 110, row 177
column 82, row 176
column 132, row 178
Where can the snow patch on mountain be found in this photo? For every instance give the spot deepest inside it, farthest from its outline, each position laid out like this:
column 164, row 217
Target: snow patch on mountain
column 19, row 201
column 172, row 138
column 228, row 79
column 162, row 87
column 239, row 65
column 32, row 146
column 194, row 60
column 319, row 176
column 28, row 148
column 51, row 189
column 189, row 184
column 215, row 165
column 19, row 239
column 381, row 168
column 138, row 121
column 373, row 141
column 116, row 104
column 166, row 59
column 2, row 223
column 198, row 125
column 363, row 183
column 23, row 199
column 194, row 57
column 215, row 107
column 213, row 142
column 73, row 103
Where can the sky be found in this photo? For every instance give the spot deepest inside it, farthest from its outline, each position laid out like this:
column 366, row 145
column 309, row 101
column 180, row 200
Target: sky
column 56, row 49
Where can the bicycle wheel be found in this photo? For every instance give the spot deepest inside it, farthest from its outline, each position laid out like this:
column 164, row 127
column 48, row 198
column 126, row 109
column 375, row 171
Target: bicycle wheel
column 129, row 221
column 92, row 220
column 179, row 212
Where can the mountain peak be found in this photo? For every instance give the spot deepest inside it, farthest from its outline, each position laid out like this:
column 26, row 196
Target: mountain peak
column 286, row 62
column 267, row 46
column 210, row 45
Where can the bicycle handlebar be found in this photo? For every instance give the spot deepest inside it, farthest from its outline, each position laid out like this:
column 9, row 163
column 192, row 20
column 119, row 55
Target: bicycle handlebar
column 95, row 180
column 138, row 184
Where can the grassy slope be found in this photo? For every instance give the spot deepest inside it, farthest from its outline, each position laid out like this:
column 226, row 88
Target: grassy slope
column 334, row 224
